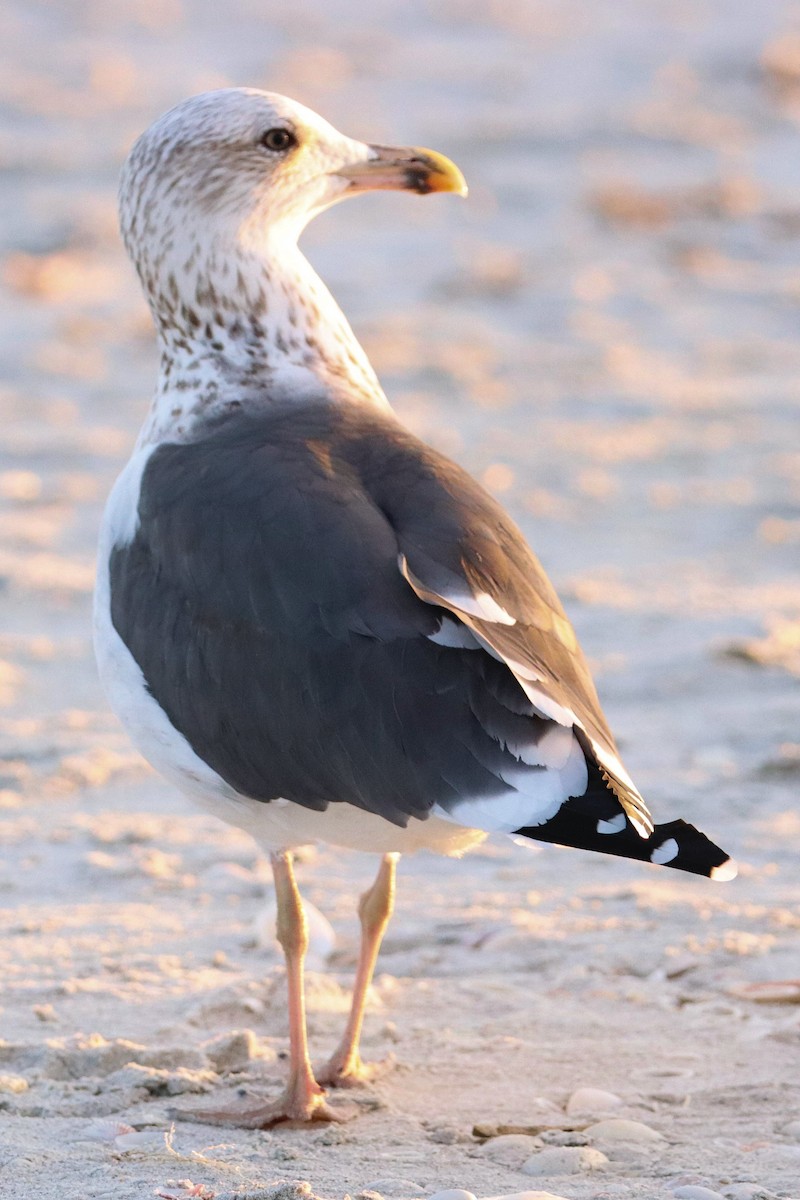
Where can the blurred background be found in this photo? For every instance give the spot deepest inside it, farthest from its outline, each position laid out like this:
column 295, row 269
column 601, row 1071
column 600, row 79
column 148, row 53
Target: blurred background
column 605, row 333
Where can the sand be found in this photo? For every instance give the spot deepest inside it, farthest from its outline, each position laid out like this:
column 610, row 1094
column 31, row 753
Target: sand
column 606, row 334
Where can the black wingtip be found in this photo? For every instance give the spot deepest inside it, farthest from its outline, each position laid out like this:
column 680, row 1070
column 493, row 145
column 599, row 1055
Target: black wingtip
column 675, row 844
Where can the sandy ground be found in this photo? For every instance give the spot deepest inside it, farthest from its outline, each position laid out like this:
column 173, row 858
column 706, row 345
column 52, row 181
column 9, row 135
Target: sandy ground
column 607, row 334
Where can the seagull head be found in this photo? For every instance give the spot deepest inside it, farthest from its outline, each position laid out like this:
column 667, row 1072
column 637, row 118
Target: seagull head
column 213, row 197
column 247, row 161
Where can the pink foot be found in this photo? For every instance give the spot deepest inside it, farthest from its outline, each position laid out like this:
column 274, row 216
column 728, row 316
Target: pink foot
column 300, row 1106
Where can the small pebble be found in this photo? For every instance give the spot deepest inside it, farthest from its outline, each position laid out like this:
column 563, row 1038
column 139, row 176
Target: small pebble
column 453, row 1194
column 564, row 1160
column 592, row 1100
column 617, row 1129
column 691, row 1191
column 792, row 1130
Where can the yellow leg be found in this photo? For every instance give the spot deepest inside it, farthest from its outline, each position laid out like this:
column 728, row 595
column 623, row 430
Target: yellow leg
column 303, row 1098
column 345, row 1068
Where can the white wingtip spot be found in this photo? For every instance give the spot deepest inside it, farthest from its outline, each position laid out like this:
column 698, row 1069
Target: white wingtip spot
column 615, row 825
column 725, row 871
column 665, row 852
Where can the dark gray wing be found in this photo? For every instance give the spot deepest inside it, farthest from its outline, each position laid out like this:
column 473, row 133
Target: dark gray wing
column 262, row 600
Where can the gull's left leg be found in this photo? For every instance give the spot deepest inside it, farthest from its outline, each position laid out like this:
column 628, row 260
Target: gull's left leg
column 345, row 1068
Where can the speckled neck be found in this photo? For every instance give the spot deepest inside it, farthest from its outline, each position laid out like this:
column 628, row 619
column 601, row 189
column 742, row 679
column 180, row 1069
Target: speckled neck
column 245, row 322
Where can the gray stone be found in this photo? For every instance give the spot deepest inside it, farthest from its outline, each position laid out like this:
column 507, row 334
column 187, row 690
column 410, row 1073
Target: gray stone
column 510, row 1149
column 565, row 1160
column 617, row 1129
column 592, row 1100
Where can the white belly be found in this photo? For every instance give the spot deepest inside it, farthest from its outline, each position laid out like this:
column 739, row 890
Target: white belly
column 281, row 824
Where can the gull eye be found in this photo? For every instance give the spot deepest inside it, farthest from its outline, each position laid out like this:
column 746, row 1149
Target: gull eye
column 279, row 140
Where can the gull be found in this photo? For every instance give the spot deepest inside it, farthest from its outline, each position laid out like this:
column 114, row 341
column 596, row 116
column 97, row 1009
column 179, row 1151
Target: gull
column 309, row 621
